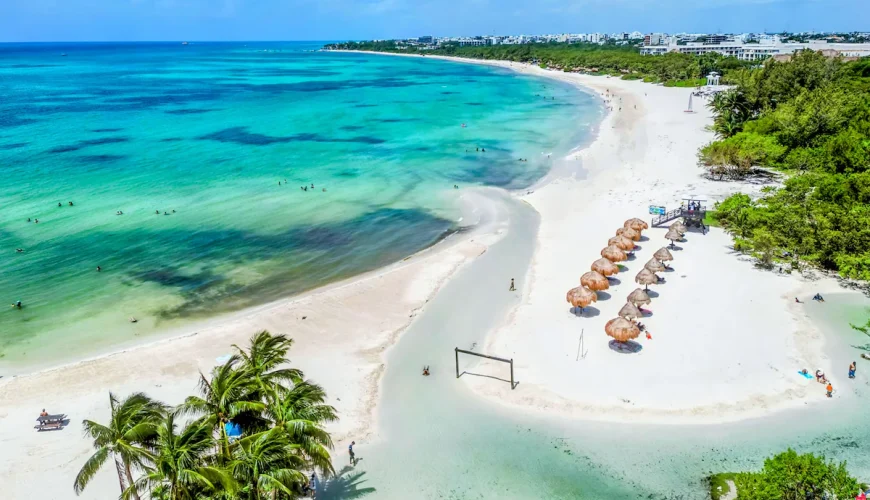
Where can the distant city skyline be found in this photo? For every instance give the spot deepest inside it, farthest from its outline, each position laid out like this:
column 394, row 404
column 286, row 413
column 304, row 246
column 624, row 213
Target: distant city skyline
column 229, row 20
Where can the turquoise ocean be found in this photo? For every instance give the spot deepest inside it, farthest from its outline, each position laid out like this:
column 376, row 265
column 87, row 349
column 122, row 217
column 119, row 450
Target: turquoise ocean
column 204, row 149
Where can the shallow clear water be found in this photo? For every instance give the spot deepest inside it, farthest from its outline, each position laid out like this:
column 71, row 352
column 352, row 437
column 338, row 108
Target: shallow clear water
column 202, row 135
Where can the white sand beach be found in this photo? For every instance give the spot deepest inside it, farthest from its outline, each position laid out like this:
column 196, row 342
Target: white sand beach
column 727, row 338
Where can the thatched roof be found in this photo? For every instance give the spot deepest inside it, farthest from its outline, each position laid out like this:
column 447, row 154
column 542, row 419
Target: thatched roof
column 581, row 296
column 654, row 266
column 621, row 329
column 638, row 297
column 622, row 242
column 646, row 277
column 663, row 255
column 636, row 224
column 630, row 311
column 594, row 280
column 605, row 267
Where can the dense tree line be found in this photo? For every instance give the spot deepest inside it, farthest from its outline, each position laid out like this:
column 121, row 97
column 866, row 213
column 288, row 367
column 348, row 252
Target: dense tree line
column 809, row 118
column 185, row 452
column 618, row 60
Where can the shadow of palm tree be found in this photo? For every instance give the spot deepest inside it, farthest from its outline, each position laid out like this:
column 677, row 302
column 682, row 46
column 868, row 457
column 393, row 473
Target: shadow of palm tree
column 345, row 484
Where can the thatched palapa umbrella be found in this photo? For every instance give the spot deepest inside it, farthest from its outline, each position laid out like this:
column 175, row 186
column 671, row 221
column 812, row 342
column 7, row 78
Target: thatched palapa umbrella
column 638, row 297
column 581, row 297
column 636, row 224
column 630, row 311
column 614, row 254
column 631, row 234
column 594, row 280
column 605, row 267
column 646, row 278
column 679, row 227
column 663, row 255
column 621, row 329
column 654, row 266
column 622, row 242
column 673, row 235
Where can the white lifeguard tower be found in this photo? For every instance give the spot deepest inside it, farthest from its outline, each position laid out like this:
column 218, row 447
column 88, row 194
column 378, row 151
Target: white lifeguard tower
column 713, row 79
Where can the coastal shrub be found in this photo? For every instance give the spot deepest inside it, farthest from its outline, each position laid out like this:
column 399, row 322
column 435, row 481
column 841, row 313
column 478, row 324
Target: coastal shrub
column 791, row 476
column 689, row 82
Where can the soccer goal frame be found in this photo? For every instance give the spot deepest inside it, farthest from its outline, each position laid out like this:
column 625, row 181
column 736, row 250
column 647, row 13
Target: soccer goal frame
column 510, row 361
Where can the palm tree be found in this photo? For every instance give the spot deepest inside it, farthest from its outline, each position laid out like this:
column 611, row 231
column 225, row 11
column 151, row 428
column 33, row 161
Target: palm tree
column 267, row 464
column 300, row 411
column 181, row 467
column 262, row 360
column 127, row 439
column 228, row 393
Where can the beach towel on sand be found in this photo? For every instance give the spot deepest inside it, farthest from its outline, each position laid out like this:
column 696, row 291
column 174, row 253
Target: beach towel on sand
column 806, row 375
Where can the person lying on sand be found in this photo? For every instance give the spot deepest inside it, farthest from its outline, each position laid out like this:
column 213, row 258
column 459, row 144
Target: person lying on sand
column 818, row 297
column 820, row 377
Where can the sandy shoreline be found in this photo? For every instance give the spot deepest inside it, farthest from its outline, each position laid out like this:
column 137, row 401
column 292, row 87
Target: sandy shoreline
column 697, row 368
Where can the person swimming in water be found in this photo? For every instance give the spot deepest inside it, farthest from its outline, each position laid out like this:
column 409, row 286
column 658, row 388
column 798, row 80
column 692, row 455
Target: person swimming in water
column 59, row 204
column 157, row 212
column 70, row 203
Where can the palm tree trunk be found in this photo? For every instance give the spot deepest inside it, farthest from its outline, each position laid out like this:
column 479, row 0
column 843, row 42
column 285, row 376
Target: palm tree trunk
column 130, row 481
column 119, row 468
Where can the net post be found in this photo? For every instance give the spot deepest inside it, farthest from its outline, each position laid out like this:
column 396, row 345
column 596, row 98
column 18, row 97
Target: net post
column 456, row 353
column 512, row 373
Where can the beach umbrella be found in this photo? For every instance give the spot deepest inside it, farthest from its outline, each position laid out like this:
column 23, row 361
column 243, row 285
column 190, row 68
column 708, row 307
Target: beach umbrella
column 638, row 297
column 663, row 255
column 594, row 280
column 636, row 224
column 621, row 329
column 630, row 311
column 581, row 297
column 673, row 235
column 654, row 266
column 614, row 254
column 622, row 242
column 605, row 267
column 646, row 278
column 631, row 234
column 679, row 227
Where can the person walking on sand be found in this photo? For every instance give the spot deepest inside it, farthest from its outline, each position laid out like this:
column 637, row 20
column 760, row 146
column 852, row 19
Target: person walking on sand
column 852, row 369
column 350, row 452
column 830, row 390
column 513, row 288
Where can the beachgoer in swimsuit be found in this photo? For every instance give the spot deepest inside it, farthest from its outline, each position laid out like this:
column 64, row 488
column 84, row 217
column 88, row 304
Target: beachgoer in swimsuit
column 59, row 204
column 512, row 288
column 99, row 268
column 350, row 451
column 43, row 413
column 426, row 371
column 852, row 369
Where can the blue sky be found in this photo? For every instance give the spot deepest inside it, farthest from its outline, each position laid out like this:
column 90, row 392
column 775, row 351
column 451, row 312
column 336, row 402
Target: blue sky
column 107, row 20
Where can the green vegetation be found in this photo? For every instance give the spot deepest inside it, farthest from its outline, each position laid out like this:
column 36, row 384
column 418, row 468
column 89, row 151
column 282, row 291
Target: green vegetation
column 719, row 487
column 790, row 476
column 625, row 61
column 810, row 119
column 160, row 454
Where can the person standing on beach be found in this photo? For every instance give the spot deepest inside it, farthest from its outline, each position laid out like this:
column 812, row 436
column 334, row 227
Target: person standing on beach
column 512, row 288
column 852, row 369
column 830, row 390
column 350, row 452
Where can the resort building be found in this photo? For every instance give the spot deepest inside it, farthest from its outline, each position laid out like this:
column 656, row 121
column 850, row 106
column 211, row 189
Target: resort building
column 757, row 51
